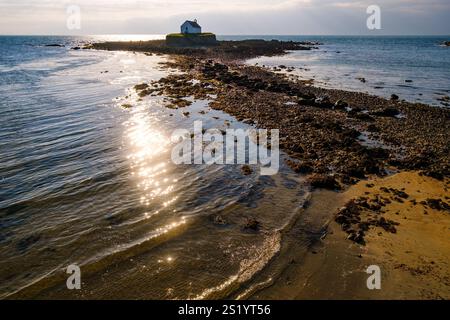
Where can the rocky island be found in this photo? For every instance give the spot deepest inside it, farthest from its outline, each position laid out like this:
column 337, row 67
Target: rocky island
column 191, row 40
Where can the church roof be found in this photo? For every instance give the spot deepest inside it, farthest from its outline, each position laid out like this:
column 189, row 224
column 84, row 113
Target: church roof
column 193, row 24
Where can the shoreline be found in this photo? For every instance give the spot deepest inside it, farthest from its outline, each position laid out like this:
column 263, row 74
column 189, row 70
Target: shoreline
column 337, row 139
column 413, row 261
column 354, row 116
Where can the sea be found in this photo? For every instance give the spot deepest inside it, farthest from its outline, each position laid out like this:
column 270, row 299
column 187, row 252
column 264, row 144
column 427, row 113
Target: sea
column 87, row 182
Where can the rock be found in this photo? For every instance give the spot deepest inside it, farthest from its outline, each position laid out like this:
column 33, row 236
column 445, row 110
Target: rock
column 399, row 193
column 377, row 153
column 359, row 238
column 323, row 181
column 384, row 223
column 181, row 103
column 127, row 106
column 372, row 128
column 55, row 45
column 364, row 226
column 141, row 86
column 340, row 105
column 218, row 220
column 300, row 167
column 296, row 148
column 357, row 217
column 446, row 43
column 323, row 102
column 246, row 170
column 444, row 99
column 351, row 236
column 361, row 116
column 386, row 112
column 394, row 97
column 363, row 80
column 437, row 204
column 306, row 102
column 252, row 224
column 145, row 93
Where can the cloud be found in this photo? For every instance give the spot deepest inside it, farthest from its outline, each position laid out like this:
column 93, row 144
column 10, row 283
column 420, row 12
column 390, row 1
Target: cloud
column 224, row 17
column 417, row 6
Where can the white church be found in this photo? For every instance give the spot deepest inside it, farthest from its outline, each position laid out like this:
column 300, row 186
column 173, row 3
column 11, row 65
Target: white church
column 191, row 27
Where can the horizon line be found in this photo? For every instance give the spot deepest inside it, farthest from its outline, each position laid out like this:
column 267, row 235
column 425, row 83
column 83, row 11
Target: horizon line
column 260, row 34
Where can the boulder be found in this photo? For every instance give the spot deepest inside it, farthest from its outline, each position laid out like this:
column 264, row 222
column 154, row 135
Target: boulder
column 386, row 112
column 323, row 181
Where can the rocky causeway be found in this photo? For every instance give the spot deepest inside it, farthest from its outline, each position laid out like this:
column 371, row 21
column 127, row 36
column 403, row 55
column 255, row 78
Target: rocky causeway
column 339, row 137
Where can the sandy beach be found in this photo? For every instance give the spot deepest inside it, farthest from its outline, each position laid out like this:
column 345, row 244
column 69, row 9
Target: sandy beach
column 413, row 261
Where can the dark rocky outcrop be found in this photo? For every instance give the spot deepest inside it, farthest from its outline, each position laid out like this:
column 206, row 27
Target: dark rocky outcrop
column 323, row 181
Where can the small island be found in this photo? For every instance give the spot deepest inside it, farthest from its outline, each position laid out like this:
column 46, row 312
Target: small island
column 191, row 35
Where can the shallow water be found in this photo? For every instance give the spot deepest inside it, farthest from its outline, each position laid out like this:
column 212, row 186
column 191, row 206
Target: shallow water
column 85, row 181
column 417, row 69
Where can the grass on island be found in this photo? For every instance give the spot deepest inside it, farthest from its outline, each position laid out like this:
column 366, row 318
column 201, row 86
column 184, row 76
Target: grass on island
column 190, row 35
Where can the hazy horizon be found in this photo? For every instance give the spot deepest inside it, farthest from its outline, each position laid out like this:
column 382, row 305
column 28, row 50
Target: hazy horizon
column 233, row 17
column 229, row 35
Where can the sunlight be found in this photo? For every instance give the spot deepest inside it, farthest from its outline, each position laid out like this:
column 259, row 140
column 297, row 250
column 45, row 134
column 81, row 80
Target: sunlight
column 148, row 145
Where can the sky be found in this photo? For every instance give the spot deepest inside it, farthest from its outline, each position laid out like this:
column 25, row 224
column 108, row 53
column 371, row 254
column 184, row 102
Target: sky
column 226, row 17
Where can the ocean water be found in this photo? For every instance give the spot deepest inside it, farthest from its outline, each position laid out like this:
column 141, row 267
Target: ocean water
column 84, row 181
column 417, row 69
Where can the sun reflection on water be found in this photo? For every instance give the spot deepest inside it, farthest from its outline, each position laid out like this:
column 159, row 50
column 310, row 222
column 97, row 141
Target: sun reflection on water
column 149, row 160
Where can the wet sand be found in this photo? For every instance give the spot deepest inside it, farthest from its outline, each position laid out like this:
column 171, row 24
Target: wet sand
column 414, row 261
